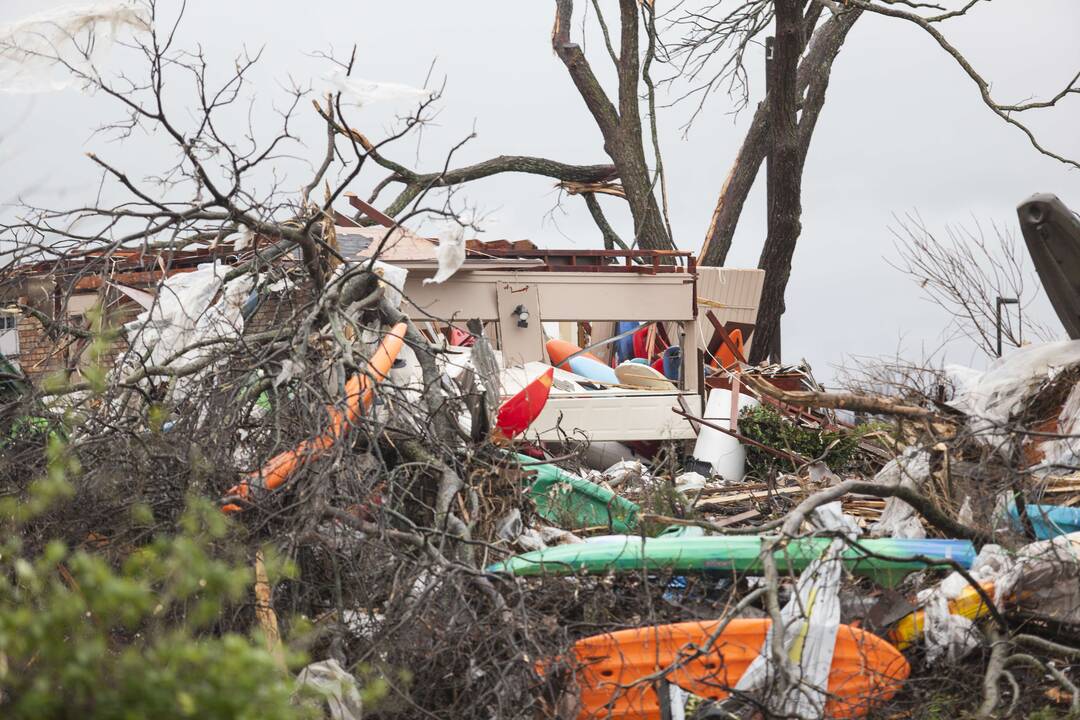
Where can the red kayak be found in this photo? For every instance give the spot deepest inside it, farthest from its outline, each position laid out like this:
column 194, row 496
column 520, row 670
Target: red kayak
column 516, row 414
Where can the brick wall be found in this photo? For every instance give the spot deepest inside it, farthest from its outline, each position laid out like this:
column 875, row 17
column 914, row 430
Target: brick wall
column 42, row 354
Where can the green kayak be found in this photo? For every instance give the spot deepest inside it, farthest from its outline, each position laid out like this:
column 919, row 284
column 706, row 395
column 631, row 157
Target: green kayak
column 573, row 503
column 733, row 554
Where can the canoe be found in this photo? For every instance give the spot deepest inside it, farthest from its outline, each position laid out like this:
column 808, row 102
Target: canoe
column 573, row 503
column 967, row 604
column 1048, row 521
column 359, row 393
column 624, row 347
column 866, row 670
column 592, row 369
column 641, row 343
column 558, row 350
column 643, row 376
column 516, row 414
column 739, row 554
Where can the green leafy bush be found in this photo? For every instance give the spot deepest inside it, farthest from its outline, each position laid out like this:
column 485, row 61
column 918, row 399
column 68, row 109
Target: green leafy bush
column 769, row 427
column 80, row 638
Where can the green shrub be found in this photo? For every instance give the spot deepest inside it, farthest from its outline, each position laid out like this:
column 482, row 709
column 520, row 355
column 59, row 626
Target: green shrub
column 769, row 427
column 80, row 638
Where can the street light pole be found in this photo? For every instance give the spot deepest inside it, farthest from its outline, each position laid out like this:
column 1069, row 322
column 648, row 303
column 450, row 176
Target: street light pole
column 1002, row 301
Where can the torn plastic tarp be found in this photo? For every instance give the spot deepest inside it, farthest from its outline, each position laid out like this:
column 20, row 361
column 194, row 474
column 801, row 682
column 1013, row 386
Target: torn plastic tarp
column 1043, row 578
column 950, row 636
column 1064, row 450
column 190, row 308
column 450, row 254
column 328, row 680
column 1046, row 520
column 623, row 472
column 365, row 92
column 573, row 502
column 898, row 519
column 992, row 398
column 810, row 619
column 513, row 530
column 392, row 279
column 48, row 51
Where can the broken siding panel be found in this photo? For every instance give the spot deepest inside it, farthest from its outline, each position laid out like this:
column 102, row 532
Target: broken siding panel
column 732, row 294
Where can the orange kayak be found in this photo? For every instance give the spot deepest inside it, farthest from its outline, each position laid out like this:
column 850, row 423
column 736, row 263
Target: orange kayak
column 558, row 350
column 866, row 670
column 359, row 392
column 725, row 358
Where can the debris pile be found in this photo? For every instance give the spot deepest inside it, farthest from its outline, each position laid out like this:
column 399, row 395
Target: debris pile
column 494, row 511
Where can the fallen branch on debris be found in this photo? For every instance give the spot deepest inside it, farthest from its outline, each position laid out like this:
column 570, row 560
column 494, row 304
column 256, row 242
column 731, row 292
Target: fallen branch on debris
column 838, row 401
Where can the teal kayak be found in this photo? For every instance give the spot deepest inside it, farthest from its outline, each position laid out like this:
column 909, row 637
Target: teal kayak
column 573, row 503
column 1047, row 521
column 733, row 554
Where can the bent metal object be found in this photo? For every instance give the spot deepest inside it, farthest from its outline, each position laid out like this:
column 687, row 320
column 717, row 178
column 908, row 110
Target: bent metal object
column 1052, row 234
column 612, row 668
column 359, row 393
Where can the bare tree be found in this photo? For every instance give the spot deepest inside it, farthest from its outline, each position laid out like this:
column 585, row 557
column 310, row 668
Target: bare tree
column 965, row 273
column 723, row 33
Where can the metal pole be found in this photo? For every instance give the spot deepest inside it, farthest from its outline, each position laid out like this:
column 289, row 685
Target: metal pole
column 998, row 324
column 1002, row 301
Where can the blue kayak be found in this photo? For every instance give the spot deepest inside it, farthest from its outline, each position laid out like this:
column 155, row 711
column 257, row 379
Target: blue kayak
column 1048, row 520
column 587, row 367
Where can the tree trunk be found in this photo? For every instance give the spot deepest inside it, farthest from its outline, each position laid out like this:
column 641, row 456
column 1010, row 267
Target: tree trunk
column 620, row 127
column 785, row 182
column 814, row 69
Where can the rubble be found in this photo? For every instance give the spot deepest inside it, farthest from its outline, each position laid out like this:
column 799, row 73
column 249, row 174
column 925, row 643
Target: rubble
column 584, row 496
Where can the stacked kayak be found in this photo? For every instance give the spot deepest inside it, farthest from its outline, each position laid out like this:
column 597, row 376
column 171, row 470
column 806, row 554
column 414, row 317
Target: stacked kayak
column 611, row 668
column 740, row 554
column 564, row 355
column 573, row 503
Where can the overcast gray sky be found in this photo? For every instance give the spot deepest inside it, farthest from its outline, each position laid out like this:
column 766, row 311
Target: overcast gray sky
column 903, row 131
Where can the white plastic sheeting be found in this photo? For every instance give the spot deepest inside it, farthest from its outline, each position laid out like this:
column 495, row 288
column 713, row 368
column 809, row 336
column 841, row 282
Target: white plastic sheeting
column 513, row 530
column 365, row 92
column 392, row 280
column 191, row 308
column 632, row 472
column 1064, row 452
column 450, row 254
column 811, row 619
column 1043, row 578
column 48, row 51
column 898, row 519
column 240, row 239
column 951, row 637
column 991, row 398
column 337, row 688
